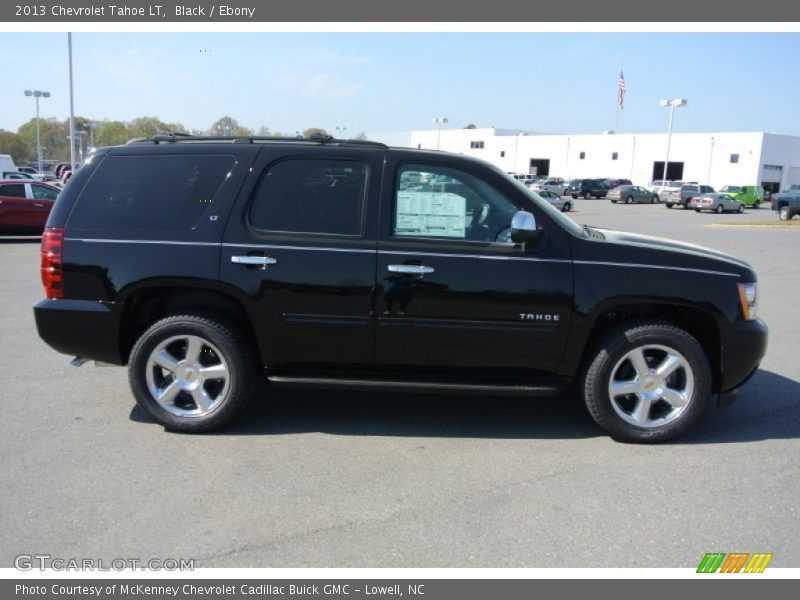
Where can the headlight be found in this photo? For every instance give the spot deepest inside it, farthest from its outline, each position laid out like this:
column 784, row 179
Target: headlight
column 747, row 297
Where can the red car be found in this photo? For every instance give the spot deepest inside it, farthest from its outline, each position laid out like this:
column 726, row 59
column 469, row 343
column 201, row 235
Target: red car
column 25, row 205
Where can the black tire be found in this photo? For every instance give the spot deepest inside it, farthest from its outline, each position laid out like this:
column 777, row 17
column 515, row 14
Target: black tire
column 740, row 210
column 698, row 210
column 756, row 204
column 612, row 347
column 686, row 205
column 224, row 342
column 719, row 210
column 567, row 207
column 629, row 200
column 669, row 204
column 654, row 200
column 613, row 202
column 784, row 214
column 574, row 196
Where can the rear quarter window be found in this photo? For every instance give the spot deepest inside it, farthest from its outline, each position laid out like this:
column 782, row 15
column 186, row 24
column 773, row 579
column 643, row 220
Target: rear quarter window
column 150, row 193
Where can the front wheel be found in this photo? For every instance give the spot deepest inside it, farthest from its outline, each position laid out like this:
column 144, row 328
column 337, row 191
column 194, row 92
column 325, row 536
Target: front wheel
column 697, row 210
column 647, row 381
column 574, row 196
column 567, row 207
column 669, row 205
column 720, row 209
column 740, row 210
column 629, row 200
column 192, row 373
column 654, row 200
column 784, row 214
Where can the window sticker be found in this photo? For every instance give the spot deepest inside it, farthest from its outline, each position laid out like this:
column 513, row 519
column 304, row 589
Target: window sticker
column 430, row 214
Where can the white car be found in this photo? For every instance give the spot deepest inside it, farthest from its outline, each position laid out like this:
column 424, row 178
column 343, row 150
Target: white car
column 557, row 186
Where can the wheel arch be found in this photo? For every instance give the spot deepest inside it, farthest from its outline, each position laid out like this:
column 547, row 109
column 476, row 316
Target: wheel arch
column 700, row 324
column 145, row 306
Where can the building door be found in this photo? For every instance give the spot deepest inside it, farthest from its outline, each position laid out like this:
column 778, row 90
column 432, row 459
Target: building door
column 674, row 171
column 540, row 167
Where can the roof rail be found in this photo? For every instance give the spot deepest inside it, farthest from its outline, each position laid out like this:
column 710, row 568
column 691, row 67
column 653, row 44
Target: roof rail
column 170, row 137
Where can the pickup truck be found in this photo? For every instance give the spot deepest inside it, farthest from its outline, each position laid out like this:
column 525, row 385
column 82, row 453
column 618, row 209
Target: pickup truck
column 787, row 204
column 683, row 195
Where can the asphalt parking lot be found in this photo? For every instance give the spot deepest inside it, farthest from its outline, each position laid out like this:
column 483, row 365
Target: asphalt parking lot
column 317, row 479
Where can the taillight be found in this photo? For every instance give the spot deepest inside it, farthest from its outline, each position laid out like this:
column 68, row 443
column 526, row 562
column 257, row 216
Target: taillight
column 52, row 274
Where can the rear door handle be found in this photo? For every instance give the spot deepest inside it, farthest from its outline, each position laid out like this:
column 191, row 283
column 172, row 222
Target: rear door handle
column 39, row 205
column 257, row 261
column 410, row 269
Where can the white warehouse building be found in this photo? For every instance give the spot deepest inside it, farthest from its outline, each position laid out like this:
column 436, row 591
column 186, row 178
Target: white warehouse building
column 716, row 159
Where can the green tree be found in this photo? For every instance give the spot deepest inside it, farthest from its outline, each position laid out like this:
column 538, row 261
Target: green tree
column 264, row 131
column 13, row 144
column 227, row 126
column 312, row 130
column 361, row 136
column 149, row 126
column 110, row 133
column 54, row 137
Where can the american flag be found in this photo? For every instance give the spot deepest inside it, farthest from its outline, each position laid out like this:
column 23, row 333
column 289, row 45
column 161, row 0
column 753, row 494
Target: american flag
column 621, row 90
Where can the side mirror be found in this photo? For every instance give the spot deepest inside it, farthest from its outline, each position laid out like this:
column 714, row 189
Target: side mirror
column 523, row 228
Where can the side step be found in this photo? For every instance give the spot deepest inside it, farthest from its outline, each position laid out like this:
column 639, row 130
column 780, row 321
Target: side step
column 498, row 387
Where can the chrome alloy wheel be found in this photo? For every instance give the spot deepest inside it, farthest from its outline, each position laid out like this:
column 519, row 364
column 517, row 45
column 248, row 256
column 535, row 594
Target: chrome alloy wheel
column 651, row 386
column 187, row 376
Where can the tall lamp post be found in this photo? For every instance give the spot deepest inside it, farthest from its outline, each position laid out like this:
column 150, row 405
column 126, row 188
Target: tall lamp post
column 340, row 129
column 439, row 121
column 673, row 104
column 38, row 94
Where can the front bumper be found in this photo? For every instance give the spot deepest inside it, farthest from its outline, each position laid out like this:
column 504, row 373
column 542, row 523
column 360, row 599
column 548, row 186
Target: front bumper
column 85, row 328
column 744, row 344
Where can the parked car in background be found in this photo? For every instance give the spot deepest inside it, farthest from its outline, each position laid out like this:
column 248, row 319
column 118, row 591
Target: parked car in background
column 526, row 178
column 716, row 202
column 787, row 204
column 34, row 174
column 557, row 186
column 563, row 204
column 17, row 175
column 613, row 183
column 657, row 184
column 750, row 195
column 683, row 195
column 25, row 206
column 632, row 193
column 587, row 188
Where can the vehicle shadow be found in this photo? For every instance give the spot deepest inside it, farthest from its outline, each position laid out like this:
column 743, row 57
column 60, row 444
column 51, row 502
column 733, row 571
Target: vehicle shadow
column 767, row 408
column 284, row 411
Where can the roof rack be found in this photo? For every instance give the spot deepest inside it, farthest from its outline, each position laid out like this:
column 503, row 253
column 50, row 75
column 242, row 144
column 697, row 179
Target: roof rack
column 171, row 137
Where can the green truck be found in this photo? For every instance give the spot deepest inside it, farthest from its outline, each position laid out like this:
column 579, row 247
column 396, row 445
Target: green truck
column 749, row 195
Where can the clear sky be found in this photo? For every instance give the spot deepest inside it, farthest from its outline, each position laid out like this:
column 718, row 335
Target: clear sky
column 550, row 82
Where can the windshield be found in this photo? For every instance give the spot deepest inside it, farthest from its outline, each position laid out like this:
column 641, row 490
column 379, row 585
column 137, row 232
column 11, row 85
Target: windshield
column 731, row 188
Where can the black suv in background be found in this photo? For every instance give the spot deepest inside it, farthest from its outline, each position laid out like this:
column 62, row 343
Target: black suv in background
column 204, row 263
column 587, row 188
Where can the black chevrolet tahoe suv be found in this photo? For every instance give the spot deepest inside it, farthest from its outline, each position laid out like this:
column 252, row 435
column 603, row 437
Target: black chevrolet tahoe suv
column 203, row 263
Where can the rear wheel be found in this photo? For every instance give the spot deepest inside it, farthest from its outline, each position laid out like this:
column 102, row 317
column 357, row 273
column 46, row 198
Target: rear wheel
column 654, row 200
column 757, row 204
column 192, row 373
column 629, row 200
column 567, row 207
column 740, row 210
column 720, row 209
column 784, row 214
column 697, row 210
column 647, row 381
column 669, row 205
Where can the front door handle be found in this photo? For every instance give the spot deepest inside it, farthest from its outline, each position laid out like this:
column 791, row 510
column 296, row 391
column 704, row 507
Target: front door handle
column 39, row 205
column 410, row 269
column 255, row 261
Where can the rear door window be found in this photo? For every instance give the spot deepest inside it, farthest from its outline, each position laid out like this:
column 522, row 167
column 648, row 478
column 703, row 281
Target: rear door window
column 151, row 193
column 319, row 196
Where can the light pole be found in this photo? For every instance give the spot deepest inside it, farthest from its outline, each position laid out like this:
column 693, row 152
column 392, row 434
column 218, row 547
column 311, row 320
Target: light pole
column 340, row 129
column 439, row 121
column 676, row 102
column 71, row 107
column 38, row 94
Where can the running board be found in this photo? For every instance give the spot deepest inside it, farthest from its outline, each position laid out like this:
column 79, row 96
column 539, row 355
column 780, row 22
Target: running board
column 509, row 388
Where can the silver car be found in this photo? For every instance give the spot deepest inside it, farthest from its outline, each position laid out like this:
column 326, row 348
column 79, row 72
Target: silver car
column 563, row 204
column 718, row 203
column 557, row 186
column 632, row 193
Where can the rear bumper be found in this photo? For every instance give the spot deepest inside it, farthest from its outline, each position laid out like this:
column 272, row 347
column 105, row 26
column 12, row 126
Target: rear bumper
column 744, row 344
column 84, row 328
